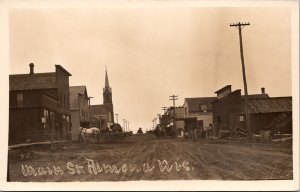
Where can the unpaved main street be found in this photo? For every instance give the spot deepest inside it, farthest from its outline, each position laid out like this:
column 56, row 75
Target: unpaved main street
column 143, row 157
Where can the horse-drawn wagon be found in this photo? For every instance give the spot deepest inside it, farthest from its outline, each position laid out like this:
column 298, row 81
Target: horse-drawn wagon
column 111, row 134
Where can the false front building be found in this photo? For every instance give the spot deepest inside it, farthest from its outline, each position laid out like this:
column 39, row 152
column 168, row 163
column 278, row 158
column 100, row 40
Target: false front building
column 39, row 106
column 79, row 106
column 266, row 113
column 102, row 116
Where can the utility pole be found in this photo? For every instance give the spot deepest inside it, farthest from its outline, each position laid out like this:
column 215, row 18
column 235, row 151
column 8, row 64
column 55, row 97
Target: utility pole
column 158, row 118
column 240, row 26
column 128, row 127
column 124, row 125
column 117, row 117
column 165, row 109
column 153, row 123
column 173, row 98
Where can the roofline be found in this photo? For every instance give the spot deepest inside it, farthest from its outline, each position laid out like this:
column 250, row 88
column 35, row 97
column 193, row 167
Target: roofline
column 33, row 89
column 78, row 86
column 63, row 69
column 96, row 105
column 199, row 97
column 283, row 97
column 223, row 88
column 27, row 74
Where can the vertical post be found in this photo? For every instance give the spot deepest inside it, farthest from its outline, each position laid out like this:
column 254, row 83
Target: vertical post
column 117, row 117
column 158, row 118
column 174, row 97
column 239, row 26
column 124, row 125
column 89, row 103
column 165, row 109
column 51, row 137
column 153, row 123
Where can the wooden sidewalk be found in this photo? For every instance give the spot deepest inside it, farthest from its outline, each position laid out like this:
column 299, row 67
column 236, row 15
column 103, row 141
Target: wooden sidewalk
column 36, row 143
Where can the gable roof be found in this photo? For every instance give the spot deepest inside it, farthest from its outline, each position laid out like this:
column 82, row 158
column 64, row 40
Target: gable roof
column 78, row 89
column 193, row 103
column 270, row 105
column 35, row 81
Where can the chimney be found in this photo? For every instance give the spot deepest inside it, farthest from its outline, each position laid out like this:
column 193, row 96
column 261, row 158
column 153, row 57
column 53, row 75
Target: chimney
column 263, row 90
column 31, row 65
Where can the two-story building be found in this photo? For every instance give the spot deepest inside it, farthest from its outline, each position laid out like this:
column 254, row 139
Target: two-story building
column 39, row 106
column 79, row 107
column 201, row 109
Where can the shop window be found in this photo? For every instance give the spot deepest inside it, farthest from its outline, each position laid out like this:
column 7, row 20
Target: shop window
column 51, row 114
column 242, row 118
column 46, row 113
column 203, row 107
column 20, row 100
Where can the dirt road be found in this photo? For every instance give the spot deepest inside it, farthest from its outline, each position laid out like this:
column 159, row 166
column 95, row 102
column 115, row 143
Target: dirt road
column 147, row 158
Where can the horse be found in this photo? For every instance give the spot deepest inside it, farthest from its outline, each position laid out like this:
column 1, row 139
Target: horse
column 94, row 131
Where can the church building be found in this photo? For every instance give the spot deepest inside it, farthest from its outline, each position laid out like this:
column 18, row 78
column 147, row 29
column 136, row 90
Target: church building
column 102, row 116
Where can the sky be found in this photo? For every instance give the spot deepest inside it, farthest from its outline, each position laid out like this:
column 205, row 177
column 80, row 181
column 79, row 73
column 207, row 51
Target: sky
column 152, row 52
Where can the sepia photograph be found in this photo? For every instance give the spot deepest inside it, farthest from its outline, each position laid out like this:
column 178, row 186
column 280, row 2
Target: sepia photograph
column 151, row 93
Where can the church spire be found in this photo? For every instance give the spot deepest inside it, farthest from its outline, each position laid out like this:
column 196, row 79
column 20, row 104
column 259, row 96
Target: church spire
column 107, row 94
column 106, row 78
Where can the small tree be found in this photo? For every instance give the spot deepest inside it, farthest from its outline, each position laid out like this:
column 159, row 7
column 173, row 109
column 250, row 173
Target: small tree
column 140, row 131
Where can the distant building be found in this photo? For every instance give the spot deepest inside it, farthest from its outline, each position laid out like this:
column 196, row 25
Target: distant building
column 201, row 109
column 167, row 118
column 102, row 116
column 39, row 106
column 266, row 113
column 79, row 106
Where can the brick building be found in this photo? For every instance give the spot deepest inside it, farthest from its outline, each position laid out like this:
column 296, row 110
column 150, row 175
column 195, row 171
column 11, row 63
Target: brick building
column 39, row 106
column 102, row 116
column 79, row 107
column 266, row 113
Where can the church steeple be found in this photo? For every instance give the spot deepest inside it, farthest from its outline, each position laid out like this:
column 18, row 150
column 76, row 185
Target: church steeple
column 107, row 93
column 106, row 79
